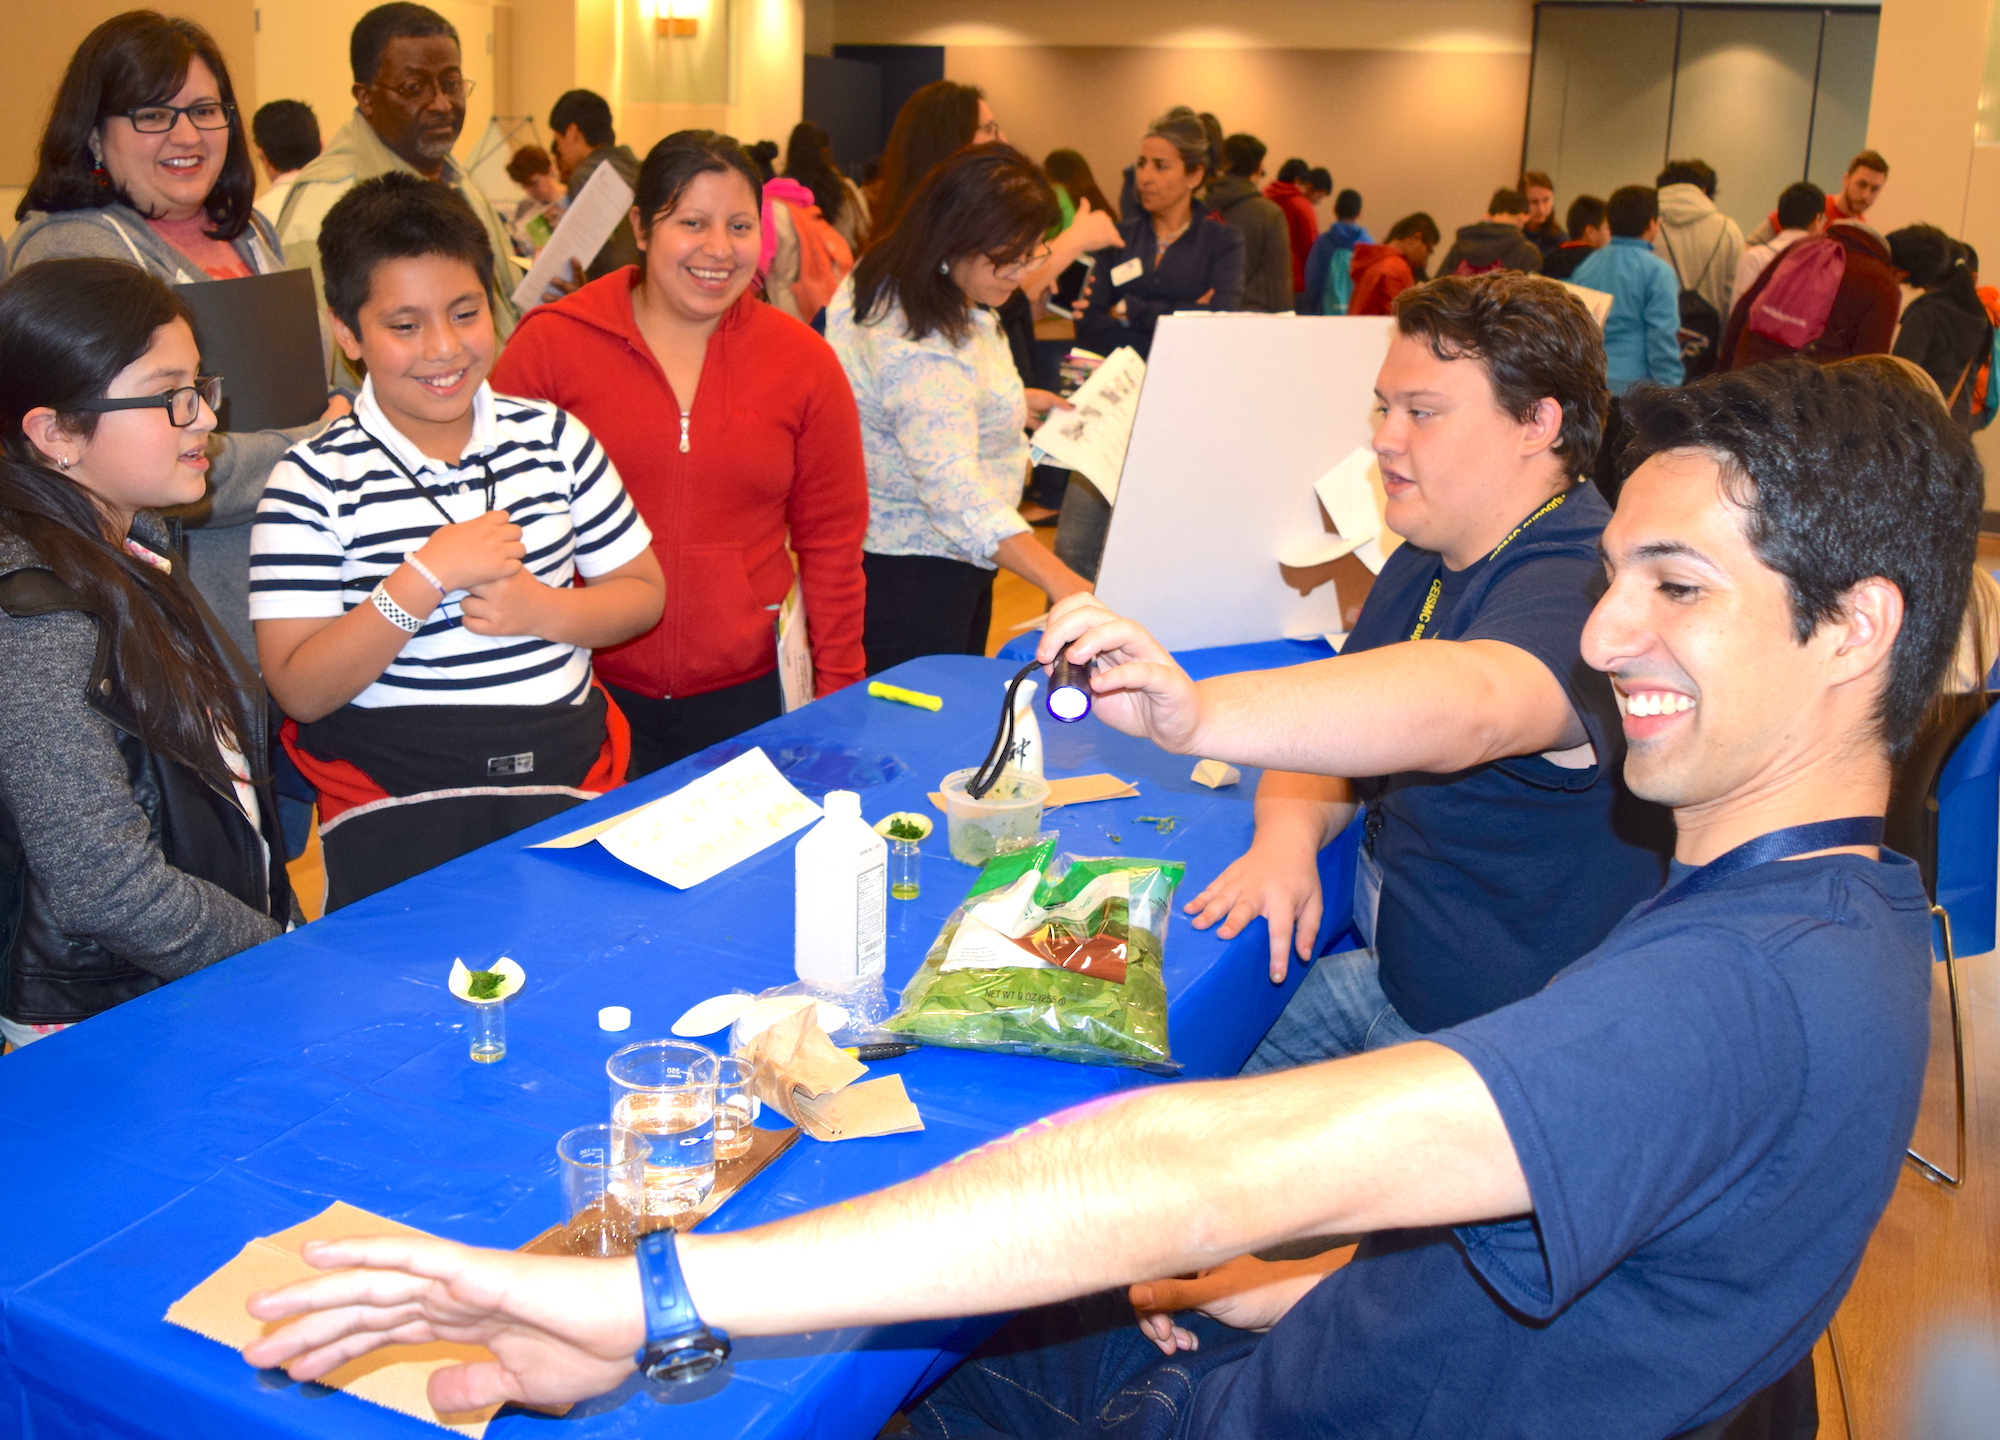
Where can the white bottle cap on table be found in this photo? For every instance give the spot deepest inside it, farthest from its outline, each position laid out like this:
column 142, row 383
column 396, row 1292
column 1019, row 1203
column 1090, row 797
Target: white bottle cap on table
column 614, row 1017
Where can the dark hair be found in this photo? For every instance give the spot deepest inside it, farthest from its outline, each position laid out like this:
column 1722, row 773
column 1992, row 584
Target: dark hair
column 937, row 120
column 588, row 111
column 1842, row 474
column 287, row 132
column 139, row 58
column 1689, row 172
column 1800, row 205
column 1418, row 224
column 1181, row 128
column 528, row 162
column 398, row 21
column 809, row 160
column 1631, row 209
column 1867, row 160
column 1320, row 178
column 986, row 199
column 1584, row 212
column 1926, row 252
column 1507, row 202
column 67, row 327
column 1536, row 180
column 1971, row 255
column 764, row 155
column 397, row 216
column 1347, row 205
column 1293, row 171
column 1244, row 153
column 1070, row 170
column 1535, row 340
column 670, row 167
column 1212, row 128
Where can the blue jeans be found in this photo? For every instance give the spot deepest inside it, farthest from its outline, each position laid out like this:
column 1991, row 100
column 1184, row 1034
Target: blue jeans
column 1338, row 1010
column 1080, row 1368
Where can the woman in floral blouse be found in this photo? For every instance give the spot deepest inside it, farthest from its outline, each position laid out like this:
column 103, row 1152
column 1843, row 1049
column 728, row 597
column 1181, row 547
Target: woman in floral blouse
column 943, row 413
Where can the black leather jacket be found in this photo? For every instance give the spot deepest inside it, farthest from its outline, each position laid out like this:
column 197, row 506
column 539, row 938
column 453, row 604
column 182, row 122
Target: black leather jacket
column 48, row 976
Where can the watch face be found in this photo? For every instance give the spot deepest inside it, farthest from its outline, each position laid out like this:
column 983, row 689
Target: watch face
column 680, row 1361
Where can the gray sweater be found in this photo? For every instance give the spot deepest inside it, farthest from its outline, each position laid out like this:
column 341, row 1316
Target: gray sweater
column 86, row 840
column 218, row 527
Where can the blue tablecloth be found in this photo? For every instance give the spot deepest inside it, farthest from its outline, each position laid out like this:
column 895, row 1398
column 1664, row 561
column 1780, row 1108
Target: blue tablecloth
column 142, row 1149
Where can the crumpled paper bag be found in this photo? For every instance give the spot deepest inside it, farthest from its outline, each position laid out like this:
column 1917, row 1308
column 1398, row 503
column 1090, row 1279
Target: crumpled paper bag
column 802, row 1075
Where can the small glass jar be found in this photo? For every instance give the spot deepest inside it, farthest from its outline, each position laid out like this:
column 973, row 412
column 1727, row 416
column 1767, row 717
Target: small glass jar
column 489, row 1030
column 905, row 869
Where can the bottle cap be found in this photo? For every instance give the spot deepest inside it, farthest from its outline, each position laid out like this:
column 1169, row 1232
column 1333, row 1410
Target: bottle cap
column 843, row 805
column 614, row 1017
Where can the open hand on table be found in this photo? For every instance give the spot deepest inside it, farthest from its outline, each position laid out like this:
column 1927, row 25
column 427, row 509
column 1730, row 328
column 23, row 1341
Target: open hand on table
column 1276, row 880
column 561, row 1329
column 1138, row 687
column 1247, row 1293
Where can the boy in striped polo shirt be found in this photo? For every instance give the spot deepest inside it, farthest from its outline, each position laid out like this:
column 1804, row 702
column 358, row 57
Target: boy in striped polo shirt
column 412, row 567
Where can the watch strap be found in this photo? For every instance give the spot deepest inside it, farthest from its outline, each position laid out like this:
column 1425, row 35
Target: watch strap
column 669, row 1308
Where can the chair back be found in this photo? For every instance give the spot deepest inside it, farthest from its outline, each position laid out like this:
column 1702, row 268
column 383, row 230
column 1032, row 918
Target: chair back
column 1944, row 790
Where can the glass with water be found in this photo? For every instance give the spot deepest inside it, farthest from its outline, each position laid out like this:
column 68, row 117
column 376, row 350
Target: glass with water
column 665, row 1090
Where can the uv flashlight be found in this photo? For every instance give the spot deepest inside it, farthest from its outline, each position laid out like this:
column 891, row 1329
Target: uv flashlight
column 1069, row 690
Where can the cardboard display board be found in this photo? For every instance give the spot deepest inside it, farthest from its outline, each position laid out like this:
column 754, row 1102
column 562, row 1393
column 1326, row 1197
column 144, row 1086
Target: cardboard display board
column 1239, row 416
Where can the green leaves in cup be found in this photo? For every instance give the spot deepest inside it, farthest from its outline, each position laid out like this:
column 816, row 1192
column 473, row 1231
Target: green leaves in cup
column 485, row 984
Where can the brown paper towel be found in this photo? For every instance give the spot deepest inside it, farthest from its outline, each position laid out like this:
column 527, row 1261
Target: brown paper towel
column 810, row 1082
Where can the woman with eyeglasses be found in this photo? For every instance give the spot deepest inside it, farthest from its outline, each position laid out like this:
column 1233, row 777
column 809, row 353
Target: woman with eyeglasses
column 145, row 160
column 138, row 831
column 943, row 410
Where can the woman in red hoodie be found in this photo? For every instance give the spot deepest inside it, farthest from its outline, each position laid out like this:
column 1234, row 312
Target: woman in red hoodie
column 736, row 434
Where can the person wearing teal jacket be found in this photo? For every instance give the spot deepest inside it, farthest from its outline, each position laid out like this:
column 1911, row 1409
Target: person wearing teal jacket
column 1642, row 333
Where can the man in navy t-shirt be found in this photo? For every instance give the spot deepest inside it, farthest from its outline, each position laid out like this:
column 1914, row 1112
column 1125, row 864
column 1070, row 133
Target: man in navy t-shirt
column 1500, row 841
column 1624, row 1206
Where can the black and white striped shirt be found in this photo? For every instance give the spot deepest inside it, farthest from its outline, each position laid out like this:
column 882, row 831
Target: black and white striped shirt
column 338, row 515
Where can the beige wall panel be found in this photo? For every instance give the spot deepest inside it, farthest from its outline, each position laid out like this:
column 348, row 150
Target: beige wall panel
column 39, row 46
column 544, row 49
column 1442, row 130
column 1928, row 59
column 1464, row 25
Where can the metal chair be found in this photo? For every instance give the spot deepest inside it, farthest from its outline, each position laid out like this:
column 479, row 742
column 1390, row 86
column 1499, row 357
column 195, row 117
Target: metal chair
column 1944, row 813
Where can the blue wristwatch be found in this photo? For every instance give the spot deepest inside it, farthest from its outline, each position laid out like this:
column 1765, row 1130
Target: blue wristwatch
column 678, row 1348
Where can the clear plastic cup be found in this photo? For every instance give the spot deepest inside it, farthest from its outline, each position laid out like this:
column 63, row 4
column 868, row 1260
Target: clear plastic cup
column 1010, row 811
column 604, row 1188
column 665, row 1089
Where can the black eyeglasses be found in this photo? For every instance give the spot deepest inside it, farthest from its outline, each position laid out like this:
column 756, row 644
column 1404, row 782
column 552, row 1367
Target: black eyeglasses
column 415, row 92
column 183, row 405
column 158, row 119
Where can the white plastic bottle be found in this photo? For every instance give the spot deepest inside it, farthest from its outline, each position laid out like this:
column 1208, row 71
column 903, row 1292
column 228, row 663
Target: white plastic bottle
column 841, row 896
column 1026, row 756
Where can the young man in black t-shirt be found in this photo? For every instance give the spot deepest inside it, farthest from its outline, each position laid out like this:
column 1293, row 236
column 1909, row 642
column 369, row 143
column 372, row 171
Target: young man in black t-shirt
column 1501, row 842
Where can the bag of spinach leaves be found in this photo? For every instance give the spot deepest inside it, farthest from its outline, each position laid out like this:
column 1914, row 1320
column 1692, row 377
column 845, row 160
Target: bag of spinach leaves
column 1062, row 960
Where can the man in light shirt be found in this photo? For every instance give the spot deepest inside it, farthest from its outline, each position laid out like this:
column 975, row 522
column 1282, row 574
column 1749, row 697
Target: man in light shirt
column 1802, row 214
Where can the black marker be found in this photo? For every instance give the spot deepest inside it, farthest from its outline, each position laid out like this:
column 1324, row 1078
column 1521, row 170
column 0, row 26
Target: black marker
column 888, row 1050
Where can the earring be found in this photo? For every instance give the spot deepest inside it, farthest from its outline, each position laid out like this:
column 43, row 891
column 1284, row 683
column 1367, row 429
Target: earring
column 944, row 267
column 65, row 461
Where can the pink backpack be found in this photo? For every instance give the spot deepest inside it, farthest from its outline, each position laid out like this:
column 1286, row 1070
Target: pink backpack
column 1797, row 299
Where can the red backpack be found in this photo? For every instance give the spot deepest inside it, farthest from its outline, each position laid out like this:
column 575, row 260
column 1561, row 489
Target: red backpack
column 1793, row 306
column 1466, row 267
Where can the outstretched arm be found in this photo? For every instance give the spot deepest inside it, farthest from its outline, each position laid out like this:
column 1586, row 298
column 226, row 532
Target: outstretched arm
column 1116, row 1192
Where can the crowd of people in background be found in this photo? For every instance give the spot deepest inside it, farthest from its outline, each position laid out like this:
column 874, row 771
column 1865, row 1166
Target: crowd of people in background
column 774, row 382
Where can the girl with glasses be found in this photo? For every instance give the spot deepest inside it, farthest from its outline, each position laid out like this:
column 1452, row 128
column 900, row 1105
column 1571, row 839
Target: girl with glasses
column 138, row 830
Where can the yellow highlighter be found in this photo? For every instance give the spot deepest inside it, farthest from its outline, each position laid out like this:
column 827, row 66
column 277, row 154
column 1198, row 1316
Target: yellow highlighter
column 904, row 697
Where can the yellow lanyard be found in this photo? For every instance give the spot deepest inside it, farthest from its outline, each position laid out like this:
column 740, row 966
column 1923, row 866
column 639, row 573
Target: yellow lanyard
column 1437, row 585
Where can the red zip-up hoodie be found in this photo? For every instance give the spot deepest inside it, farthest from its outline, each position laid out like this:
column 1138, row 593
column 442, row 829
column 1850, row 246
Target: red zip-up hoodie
column 772, row 453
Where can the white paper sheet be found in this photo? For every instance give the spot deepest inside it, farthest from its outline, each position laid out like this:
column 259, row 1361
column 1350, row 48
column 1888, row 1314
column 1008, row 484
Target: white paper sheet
column 1091, row 439
column 712, row 823
column 1348, row 491
column 586, row 225
column 1597, row 302
column 795, row 662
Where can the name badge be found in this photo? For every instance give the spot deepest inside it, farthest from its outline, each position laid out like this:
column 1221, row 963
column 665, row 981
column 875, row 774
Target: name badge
column 522, row 764
column 1128, row 272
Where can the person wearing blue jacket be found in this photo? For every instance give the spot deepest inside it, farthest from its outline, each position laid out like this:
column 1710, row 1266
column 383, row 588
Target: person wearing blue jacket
column 1642, row 333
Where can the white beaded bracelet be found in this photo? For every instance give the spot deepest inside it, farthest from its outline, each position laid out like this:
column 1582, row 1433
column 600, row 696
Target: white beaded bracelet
column 392, row 612
column 422, row 569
